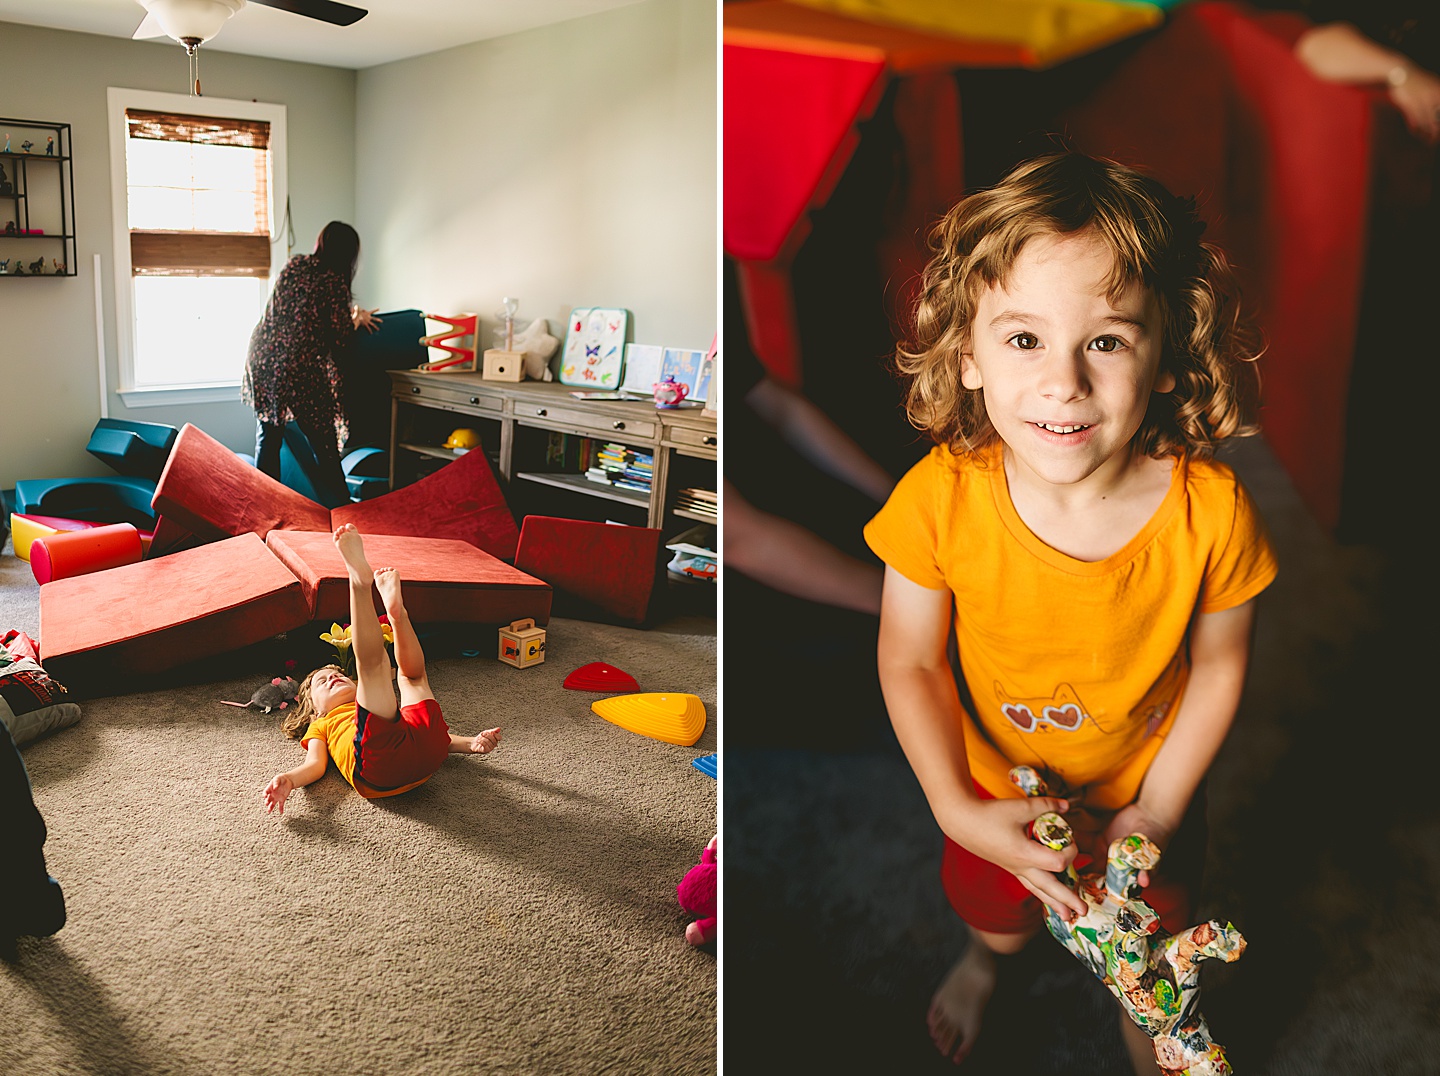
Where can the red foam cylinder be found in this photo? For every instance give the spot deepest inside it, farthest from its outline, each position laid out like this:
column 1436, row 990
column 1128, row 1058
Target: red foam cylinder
column 60, row 556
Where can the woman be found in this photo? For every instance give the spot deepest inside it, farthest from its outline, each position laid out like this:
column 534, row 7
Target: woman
column 291, row 370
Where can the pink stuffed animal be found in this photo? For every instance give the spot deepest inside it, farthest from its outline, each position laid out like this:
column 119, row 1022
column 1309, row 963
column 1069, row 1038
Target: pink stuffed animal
column 697, row 895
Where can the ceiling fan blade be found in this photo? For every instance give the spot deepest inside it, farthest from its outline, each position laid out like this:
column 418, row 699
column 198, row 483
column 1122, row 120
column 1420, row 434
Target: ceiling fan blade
column 149, row 27
column 324, row 10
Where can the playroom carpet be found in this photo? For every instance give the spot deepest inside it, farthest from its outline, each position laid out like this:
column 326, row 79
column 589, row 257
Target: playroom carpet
column 516, row 914
column 1324, row 849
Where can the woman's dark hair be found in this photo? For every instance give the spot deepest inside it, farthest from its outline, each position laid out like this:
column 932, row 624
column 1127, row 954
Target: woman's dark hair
column 338, row 248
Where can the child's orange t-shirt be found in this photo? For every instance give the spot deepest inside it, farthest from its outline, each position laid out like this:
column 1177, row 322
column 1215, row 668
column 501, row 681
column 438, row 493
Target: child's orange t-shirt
column 1073, row 667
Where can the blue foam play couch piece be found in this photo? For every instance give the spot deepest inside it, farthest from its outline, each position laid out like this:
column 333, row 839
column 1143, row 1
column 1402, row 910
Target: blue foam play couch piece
column 138, row 449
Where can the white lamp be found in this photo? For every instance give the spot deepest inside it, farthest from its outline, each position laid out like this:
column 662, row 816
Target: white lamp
column 191, row 22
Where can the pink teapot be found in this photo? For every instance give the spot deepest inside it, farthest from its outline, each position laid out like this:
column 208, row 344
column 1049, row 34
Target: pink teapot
column 669, row 392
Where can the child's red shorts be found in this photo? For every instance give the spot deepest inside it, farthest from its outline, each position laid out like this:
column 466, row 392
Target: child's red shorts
column 394, row 756
column 992, row 899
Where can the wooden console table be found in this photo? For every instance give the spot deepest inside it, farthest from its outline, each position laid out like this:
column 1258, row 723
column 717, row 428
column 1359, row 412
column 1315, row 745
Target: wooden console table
column 515, row 420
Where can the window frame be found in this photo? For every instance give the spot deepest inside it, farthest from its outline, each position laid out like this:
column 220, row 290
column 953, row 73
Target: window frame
column 120, row 99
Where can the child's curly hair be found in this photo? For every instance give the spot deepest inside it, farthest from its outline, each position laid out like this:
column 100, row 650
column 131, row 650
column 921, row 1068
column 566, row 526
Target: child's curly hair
column 1208, row 344
column 296, row 721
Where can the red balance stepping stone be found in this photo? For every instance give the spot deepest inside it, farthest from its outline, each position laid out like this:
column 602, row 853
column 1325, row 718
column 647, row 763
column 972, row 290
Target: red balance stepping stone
column 597, row 676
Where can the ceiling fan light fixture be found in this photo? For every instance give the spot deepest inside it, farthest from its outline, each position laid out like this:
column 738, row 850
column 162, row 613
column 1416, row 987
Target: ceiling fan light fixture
column 199, row 20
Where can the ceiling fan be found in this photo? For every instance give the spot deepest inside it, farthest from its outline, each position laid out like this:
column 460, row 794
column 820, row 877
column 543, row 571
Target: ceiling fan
column 193, row 22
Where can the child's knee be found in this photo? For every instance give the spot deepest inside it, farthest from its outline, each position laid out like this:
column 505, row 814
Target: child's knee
column 413, row 689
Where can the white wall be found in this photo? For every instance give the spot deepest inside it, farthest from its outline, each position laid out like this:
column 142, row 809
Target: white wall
column 573, row 165
column 49, row 365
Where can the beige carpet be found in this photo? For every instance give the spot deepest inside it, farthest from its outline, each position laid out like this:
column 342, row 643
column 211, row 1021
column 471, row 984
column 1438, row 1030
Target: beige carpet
column 516, row 914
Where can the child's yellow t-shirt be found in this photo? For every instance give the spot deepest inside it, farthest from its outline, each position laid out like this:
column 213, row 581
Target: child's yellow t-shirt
column 1073, row 667
column 337, row 729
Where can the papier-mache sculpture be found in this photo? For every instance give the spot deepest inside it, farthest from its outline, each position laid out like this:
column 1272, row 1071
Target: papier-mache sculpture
column 1155, row 975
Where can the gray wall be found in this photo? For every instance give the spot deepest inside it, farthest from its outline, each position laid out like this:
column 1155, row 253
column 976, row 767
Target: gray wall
column 569, row 166
column 48, row 356
column 574, row 165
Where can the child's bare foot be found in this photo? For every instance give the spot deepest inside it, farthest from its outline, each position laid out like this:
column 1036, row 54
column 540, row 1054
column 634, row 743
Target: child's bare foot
column 959, row 1002
column 485, row 742
column 352, row 551
column 387, row 582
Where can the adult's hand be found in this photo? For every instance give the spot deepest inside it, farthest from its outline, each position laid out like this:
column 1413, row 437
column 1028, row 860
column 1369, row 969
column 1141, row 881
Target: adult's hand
column 365, row 319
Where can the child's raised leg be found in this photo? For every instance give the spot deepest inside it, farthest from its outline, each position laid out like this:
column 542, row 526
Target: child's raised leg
column 413, row 683
column 372, row 664
column 959, row 1002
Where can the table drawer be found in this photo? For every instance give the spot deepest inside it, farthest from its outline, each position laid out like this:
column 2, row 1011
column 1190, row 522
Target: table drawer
column 602, row 425
column 451, row 397
column 685, row 435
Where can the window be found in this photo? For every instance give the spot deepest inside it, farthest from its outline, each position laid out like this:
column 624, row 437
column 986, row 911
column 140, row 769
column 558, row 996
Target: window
column 198, row 190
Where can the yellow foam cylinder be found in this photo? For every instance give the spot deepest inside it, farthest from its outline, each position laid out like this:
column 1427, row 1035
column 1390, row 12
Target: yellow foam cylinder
column 674, row 717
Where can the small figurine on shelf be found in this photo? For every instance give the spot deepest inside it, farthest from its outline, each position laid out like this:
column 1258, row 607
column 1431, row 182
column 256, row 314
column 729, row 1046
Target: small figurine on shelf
column 7, row 141
column 669, row 393
column 6, row 187
column 59, row 266
column 50, row 146
column 4, row 266
column 10, row 228
column 37, row 267
column 19, row 268
column 26, row 146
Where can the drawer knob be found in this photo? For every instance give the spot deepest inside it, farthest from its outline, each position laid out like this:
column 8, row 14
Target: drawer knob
column 711, row 440
column 540, row 411
column 474, row 399
column 618, row 425
column 415, row 389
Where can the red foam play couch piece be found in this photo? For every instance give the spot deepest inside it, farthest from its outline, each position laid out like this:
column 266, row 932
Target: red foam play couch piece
column 207, row 490
column 610, row 569
column 159, row 614
column 444, row 579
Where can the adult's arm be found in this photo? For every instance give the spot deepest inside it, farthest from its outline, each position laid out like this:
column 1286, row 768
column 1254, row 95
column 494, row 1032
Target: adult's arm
column 1340, row 52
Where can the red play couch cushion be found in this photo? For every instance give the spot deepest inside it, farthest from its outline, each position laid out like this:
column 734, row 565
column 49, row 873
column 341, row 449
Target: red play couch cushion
column 594, row 567
column 461, row 500
column 210, row 492
column 444, row 579
column 158, row 614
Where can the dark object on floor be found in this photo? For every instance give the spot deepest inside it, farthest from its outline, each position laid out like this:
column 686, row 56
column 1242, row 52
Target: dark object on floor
column 31, row 901
column 276, row 695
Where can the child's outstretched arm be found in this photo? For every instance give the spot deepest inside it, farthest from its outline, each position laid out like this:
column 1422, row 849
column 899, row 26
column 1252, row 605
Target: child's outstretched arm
column 925, row 709
column 482, row 743
column 317, row 757
column 1219, row 657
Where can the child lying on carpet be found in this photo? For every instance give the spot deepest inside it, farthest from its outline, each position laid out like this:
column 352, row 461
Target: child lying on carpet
column 380, row 747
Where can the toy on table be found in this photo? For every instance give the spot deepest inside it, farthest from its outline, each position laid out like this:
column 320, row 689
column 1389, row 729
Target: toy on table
column 1155, row 975
column 697, row 895
column 669, row 393
column 522, row 644
column 598, row 676
column 674, row 717
column 279, row 693
column 503, row 362
column 460, row 359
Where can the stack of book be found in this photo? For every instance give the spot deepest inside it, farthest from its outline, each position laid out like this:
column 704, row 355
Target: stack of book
column 619, row 465
column 699, row 502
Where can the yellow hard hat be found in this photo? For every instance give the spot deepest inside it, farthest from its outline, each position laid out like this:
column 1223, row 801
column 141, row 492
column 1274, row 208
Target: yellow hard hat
column 462, row 438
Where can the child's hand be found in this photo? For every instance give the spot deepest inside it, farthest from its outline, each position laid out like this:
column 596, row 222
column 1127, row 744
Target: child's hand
column 1135, row 819
column 996, row 830
column 277, row 792
column 485, row 742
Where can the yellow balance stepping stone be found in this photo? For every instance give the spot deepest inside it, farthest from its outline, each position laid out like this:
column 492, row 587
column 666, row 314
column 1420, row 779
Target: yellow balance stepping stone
column 673, row 716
